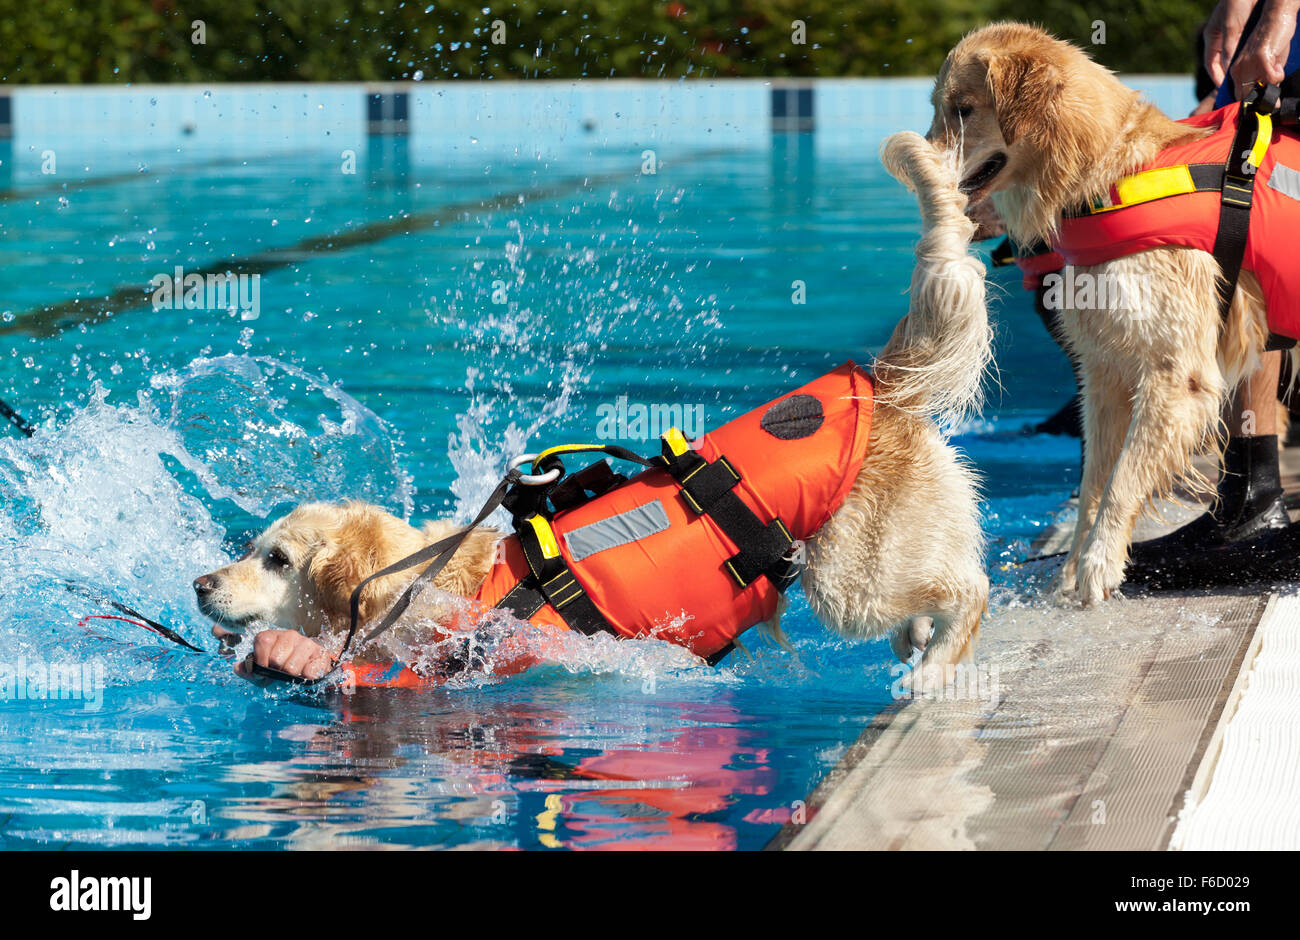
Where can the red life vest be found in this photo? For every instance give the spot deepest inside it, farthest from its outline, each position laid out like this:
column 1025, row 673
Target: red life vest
column 653, row 566
column 1158, row 207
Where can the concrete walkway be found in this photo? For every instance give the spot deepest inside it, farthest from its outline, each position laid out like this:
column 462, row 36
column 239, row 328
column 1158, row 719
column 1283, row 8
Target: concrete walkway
column 1097, row 729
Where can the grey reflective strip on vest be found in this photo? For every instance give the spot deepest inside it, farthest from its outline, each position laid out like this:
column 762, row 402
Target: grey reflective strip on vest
column 617, row 530
column 1285, row 180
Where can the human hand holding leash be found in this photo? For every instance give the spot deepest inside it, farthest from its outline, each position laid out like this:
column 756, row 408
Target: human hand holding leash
column 1263, row 53
column 1222, row 34
column 286, row 651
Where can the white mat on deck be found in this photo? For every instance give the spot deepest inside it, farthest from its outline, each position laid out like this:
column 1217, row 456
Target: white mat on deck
column 1252, row 798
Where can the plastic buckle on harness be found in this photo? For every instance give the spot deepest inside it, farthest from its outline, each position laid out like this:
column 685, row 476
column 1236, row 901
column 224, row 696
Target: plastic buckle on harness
column 756, row 558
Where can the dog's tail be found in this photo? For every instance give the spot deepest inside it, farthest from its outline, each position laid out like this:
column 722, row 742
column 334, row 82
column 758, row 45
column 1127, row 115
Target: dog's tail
column 934, row 364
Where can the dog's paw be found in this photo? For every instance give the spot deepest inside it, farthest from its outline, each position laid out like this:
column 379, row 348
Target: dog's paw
column 1098, row 579
column 910, row 638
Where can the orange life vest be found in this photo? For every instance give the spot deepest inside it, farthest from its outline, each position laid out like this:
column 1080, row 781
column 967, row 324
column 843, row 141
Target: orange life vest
column 1161, row 206
column 654, row 565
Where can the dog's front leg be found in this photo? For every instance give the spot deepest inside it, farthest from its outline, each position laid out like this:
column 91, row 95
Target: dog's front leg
column 1107, row 412
column 1170, row 417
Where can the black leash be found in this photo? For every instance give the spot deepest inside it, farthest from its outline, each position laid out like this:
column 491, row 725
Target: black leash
column 440, row 552
column 162, row 630
column 17, row 420
column 1239, row 190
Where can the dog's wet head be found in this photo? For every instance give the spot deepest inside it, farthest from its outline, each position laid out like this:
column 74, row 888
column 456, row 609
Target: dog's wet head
column 299, row 574
column 995, row 104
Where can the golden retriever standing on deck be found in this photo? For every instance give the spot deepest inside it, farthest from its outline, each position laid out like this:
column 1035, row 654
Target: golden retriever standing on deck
column 902, row 555
column 1038, row 126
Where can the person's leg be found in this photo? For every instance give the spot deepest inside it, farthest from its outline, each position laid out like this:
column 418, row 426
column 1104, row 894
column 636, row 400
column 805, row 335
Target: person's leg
column 1069, row 419
column 1250, row 486
column 1249, row 498
column 1254, row 407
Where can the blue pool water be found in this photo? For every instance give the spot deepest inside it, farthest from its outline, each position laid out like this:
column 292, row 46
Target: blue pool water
column 418, row 326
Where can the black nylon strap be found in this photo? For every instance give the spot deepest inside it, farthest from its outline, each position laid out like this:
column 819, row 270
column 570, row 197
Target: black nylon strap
column 556, row 582
column 523, row 600
column 440, row 552
column 16, row 419
column 720, row 655
column 1004, row 253
column 1238, row 196
column 1207, row 177
column 708, row 488
column 585, row 485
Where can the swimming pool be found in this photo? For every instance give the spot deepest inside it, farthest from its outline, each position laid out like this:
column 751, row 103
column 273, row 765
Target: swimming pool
column 417, row 325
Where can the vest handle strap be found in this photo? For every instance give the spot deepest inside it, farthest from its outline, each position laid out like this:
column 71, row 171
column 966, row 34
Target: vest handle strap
column 1249, row 146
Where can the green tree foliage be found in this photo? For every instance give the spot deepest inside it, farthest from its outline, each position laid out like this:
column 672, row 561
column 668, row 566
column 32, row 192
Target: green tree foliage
column 1140, row 35
column 376, row 40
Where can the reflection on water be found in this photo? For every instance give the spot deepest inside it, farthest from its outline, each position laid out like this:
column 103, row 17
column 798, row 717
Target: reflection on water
column 516, row 774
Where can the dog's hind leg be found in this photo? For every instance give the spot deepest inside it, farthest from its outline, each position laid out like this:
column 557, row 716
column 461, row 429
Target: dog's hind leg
column 956, row 630
column 905, row 545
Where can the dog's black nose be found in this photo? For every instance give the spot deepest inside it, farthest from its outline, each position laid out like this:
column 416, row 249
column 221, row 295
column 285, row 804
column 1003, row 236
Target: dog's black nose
column 204, row 585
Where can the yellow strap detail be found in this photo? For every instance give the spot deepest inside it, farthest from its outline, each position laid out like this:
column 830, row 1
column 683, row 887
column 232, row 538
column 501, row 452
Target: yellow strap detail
column 676, row 442
column 565, row 449
column 1150, row 185
column 1262, row 139
column 547, row 820
column 545, row 536
column 561, row 601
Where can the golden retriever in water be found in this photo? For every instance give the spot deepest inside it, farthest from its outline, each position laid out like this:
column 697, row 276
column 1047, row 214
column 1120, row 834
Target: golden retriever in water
column 903, row 554
column 1039, row 127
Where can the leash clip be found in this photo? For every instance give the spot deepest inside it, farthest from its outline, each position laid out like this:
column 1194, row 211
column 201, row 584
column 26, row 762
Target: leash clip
column 534, row 479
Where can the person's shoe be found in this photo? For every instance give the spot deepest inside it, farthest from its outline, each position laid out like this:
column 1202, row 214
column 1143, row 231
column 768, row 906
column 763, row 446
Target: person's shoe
column 1268, row 556
column 1249, row 503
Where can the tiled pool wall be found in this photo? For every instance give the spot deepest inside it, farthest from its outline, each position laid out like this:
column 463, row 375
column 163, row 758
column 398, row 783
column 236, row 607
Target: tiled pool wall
column 94, row 128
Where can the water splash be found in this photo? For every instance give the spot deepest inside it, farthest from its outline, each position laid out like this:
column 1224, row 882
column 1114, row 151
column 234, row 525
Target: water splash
column 115, row 501
column 245, row 425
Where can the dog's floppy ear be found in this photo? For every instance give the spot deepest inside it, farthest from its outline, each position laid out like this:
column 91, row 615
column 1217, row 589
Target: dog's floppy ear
column 1025, row 91
column 335, row 571
column 364, row 540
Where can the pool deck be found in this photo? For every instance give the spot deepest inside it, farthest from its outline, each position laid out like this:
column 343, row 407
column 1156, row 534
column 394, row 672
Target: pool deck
column 1153, row 721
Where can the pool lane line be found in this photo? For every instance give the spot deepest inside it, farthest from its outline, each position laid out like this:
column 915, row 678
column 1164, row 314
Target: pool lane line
column 51, row 320
column 94, row 182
